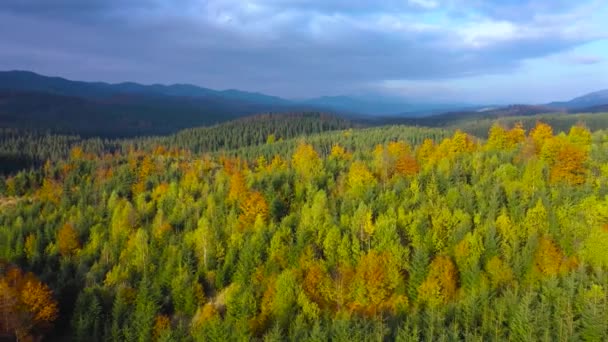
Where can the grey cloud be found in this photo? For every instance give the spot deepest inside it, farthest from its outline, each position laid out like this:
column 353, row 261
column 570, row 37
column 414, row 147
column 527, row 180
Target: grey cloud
column 295, row 48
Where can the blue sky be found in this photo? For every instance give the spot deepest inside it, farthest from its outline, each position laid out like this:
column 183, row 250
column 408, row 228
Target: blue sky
column 422, row 50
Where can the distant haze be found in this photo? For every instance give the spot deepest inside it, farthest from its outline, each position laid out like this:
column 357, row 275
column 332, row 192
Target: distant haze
column 419, row 51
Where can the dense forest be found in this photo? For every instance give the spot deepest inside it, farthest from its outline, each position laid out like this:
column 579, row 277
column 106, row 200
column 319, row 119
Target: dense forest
column 394, row 233
column 21, row 149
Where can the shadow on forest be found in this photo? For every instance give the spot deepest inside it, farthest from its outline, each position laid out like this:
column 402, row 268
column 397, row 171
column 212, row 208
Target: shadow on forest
column 12, row 163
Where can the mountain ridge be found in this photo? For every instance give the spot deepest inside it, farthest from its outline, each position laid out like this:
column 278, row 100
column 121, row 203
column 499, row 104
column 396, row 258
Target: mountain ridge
column 593, row 99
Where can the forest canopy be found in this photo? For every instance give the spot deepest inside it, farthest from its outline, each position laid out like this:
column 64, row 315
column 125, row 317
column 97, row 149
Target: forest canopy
column 398, row 233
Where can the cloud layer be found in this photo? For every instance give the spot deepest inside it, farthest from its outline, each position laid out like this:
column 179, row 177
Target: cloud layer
column 292, row 48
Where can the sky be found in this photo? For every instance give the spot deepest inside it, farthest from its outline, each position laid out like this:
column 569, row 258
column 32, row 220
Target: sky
column 473, row 51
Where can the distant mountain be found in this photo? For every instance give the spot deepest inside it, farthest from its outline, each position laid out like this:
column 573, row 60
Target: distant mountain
column 456, row 117
column 594, row 99
column 595, row 109
column 358, row 105
column 382, row 106
column 118, row 116
column 32, row 101
column 29, row 81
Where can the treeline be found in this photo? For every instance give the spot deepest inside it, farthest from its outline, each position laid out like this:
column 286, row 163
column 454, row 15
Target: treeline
column 251, row 136
column 559, row 122
column 389, row 236
column 254, row 130
column 21, row 149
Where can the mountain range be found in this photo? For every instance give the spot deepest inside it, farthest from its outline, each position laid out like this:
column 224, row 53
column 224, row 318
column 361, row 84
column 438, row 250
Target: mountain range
column 594, row 99
column 32, row 101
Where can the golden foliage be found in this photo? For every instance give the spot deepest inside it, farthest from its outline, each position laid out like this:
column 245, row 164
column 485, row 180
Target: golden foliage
column 338, row 152
column 516, row 135
column 441, row 282
column 27, row 305
column 569, row 166
column 306, row 161
column 426, row 150
column 359, row 177
column 315, row 284
column 76, row 153
column 50, row 191
column 499, row 271
column 277, row 164
column 378, row 277
column 38, row 300
column 548, row 258
column 67, row 240
column 146, row 168
column 204, row 315
column 252, row 207
column 238, row 188
column 30, row 246
column 450, row 148
column 160, row 191
column 579, row 135
column 540, row 134
column 500, row 138
column 161, row 324
column 396, row 149
column 497, row 138
column 407, row 165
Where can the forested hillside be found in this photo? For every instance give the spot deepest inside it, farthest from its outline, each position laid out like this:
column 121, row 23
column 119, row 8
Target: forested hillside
column 94, row 109
column 395, row 233
column 21, row 149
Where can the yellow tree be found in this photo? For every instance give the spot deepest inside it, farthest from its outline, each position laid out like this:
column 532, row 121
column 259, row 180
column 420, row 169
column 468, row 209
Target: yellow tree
column 516, row 135
column 277, row 164
column 579, row 135
column 338, row 152
column 317, row 283
column 306, row 161
column 67, row 240
column 569, row 165
column 381, row 164
column 359, row 178
column 238, row 188
column 540, row 134
column 27, row 306
column 497, row 138
column 549, row 258
column 499, row 271
column 146, row 168
column 50, row 191
column 407, row 165
column 162, row 323
column 376, row 279
column 426, row 150
column 441, row 282
column 397, row 149
column 76, row 153
column 253, row 207
column 462, row 142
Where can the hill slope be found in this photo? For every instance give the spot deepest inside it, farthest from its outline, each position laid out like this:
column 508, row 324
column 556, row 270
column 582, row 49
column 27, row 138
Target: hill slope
column 32, row 101
column 593, row 99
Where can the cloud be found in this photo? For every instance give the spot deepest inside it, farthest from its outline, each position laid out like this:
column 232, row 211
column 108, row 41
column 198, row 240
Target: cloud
column 289, row 48
column 583, row 60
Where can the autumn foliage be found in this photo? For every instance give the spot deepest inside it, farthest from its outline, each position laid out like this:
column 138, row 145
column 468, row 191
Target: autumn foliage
column 67, row 239
column 27, row 306
column 254, row 206
column 441, row 283
column 392, row 233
